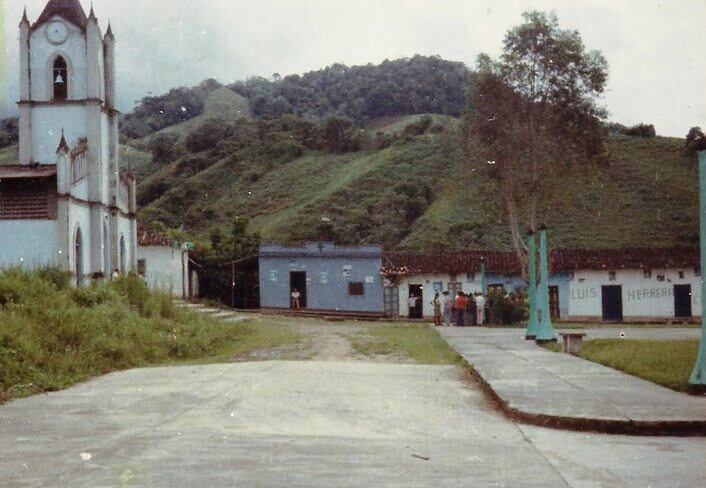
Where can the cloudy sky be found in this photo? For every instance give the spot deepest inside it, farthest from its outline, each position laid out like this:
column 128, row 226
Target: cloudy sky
column 654, row 48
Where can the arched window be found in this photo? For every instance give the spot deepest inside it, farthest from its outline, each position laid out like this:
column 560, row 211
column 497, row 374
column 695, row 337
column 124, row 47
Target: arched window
column 78, row 250
column 123, row 266
column 60, row 79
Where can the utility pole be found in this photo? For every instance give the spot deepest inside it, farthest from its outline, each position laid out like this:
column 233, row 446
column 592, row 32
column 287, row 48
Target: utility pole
column 232, row 284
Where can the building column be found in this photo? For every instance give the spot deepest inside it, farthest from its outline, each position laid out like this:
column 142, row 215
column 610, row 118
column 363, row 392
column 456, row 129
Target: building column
column 697, row 380
column 96, row 239
column 532, row 324
column 545, row 332
column 63, row 221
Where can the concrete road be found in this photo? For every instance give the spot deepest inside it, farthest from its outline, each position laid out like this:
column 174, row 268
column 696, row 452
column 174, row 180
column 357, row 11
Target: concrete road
column 313, row 423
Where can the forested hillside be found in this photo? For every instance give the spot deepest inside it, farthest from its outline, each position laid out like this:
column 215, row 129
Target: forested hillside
column 372, row 154
column 412, row 188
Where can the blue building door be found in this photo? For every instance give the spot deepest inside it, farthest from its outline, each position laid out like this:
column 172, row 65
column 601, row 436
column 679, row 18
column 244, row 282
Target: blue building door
column 297, row 282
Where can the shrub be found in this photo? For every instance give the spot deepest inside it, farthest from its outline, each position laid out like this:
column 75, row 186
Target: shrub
column 94, row 295
column 508, row 309
column 419, row 127
column 641, row 130
column 53, row 336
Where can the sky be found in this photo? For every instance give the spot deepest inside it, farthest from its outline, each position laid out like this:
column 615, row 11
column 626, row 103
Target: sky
column 653, row 47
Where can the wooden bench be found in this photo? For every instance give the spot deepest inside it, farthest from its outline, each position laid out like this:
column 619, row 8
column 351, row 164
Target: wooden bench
column 572, row 341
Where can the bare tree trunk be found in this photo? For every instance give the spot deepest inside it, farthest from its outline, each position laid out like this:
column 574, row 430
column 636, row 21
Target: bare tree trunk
column 517, row 235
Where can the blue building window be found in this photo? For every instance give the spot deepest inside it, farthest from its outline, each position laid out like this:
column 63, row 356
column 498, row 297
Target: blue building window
column 356, row 289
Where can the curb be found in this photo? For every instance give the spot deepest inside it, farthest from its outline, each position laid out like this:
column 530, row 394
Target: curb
column 634, row 428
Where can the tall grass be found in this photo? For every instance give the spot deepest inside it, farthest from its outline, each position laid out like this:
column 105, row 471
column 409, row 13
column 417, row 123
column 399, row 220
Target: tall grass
column 53, row 335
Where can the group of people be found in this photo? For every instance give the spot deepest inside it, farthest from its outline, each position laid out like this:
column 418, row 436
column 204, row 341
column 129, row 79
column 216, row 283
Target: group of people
column 462, row 310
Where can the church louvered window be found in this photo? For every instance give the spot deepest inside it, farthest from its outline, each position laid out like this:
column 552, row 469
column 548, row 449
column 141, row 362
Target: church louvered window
column 60, row 79
column 30, row 200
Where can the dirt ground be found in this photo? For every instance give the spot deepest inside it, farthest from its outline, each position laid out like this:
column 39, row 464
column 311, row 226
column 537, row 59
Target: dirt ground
column 325, row 341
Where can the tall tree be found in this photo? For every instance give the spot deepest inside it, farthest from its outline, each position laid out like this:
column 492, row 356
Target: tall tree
column 533, row 113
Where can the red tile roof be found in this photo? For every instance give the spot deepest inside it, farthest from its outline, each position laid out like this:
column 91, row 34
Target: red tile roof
column 148, row 237
column 505, row 263
column 497, row 262
column 630, row 258
column 17, row 171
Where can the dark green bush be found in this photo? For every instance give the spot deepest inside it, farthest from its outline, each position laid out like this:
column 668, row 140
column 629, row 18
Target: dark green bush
column 508, row 309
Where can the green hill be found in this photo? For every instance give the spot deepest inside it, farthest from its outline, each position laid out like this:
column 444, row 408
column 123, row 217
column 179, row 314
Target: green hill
column 221, row 104
column 418, row 193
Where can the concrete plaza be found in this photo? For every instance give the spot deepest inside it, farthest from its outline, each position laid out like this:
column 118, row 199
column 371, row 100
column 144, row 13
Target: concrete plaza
column 550, row 388
column 312, row 423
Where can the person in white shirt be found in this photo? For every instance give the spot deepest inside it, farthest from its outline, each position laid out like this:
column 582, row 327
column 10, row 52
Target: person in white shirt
column 480, row 308
column 295, row 298
column 446, row 308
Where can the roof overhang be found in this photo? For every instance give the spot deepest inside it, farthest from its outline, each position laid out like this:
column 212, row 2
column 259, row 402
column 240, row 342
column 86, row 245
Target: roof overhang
column 23, row 172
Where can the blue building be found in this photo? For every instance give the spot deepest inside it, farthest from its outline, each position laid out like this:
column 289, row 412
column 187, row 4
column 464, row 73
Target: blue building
column 325, row 277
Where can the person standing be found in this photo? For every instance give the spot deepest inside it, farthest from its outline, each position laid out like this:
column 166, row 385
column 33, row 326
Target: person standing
column 436, row 303
column 472, row 310
column 447, row 308
column 480, row 309
column 295, row 299
column 460, row 307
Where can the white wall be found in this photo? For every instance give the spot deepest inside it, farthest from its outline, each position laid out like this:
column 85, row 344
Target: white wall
column 80, row 217
column 73, row 50
column 165, row 267
column 28, row 243
column 125, row 230
column 642, row 297
column 47, row 122
column 468, row 285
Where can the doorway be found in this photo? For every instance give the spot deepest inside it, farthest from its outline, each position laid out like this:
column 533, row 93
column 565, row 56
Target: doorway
column 612, row 298
column 682, row 301
column 415, row 302
column 297, row 281
column 554, row 312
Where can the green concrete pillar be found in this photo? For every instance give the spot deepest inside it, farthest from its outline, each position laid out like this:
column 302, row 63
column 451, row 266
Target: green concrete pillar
column 532, row 324
column 697, row 380
column 545, row 332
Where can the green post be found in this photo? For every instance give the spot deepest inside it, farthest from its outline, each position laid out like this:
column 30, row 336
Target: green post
column 545, row 332
column 532, row 324
column 697, row 380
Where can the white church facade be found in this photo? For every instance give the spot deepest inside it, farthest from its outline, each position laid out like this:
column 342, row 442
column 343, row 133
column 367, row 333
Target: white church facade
column 66, row 203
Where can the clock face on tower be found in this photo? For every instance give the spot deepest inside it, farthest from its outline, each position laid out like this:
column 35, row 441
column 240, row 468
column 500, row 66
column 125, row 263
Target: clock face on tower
column 57, row 32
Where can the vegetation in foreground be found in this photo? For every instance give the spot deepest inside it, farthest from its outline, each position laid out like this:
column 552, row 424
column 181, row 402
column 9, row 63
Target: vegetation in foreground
column 667, row 363
column 53, row 335
column 416, row 342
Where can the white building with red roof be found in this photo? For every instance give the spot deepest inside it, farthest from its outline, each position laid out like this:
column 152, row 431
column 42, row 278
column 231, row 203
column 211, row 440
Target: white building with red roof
column 164, row 264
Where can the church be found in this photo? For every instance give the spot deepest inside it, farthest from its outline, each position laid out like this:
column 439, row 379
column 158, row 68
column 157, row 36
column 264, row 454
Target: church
column 66, row 202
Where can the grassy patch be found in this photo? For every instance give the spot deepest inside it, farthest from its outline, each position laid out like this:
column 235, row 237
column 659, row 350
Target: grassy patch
column 53, row 335
column 646, row 325
column 246, row 337
column 667, row 363
column 417, row 342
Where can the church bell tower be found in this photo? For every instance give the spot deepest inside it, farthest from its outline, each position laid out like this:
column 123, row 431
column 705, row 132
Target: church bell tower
column 68, row 120
column 67, row 84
